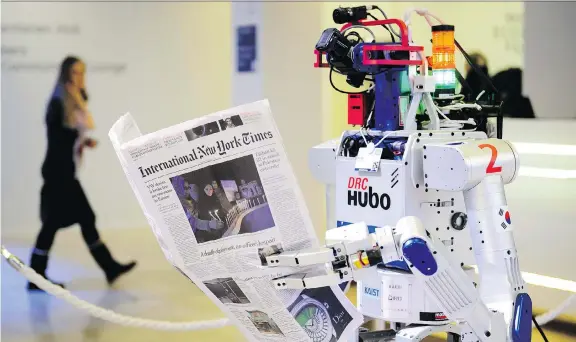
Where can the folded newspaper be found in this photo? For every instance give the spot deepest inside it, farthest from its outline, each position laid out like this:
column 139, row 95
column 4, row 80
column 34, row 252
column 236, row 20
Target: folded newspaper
column 221, row 196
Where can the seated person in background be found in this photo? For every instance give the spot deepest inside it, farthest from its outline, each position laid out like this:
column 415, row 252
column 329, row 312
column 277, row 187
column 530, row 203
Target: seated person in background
column 509, row 84
column 475, row 81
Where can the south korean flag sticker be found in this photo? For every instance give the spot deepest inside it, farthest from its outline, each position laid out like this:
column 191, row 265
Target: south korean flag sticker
column 506, row 222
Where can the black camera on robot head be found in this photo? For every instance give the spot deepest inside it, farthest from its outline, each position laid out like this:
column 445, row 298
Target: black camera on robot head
column 338, row 49
column 339, row 52
column 343, row 15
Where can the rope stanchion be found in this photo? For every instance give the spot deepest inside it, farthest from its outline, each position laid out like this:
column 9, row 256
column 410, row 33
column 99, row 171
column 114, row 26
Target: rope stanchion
column 105, row 314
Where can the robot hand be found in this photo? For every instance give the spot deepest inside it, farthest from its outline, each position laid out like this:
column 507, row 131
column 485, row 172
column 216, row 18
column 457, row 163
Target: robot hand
column 349, row 251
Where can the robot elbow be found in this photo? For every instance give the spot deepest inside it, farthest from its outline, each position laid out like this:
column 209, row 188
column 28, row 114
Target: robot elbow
column 410, row 226
column 416, row 251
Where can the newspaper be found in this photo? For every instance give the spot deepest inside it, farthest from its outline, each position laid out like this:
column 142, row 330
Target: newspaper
column 220, row 196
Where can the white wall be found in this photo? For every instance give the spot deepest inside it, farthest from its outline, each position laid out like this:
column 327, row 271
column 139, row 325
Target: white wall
column 550, row 70
column 176, row 66
column 284, row 74
column 247, row 86
column 294, row 88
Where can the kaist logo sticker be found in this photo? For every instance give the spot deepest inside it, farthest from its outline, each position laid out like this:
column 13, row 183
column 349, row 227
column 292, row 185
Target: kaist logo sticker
column 371, row 291
column 360, row 193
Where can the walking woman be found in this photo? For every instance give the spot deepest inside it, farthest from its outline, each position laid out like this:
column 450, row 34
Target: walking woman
column 62, row 200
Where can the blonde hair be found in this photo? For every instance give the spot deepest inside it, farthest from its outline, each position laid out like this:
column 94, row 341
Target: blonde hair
column 72, row 107
column 74, row 102
column 76, row 112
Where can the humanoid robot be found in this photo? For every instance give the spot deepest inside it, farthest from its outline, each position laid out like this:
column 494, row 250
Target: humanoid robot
column 419, row 192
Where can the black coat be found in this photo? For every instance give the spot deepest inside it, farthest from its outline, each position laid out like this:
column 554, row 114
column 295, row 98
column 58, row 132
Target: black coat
column 62, row 199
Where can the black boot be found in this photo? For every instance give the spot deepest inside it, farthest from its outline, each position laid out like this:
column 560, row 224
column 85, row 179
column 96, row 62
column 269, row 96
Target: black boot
column 39, row 262
column 111, row 267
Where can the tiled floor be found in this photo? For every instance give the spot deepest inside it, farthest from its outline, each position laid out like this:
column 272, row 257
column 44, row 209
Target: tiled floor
column 154, row 290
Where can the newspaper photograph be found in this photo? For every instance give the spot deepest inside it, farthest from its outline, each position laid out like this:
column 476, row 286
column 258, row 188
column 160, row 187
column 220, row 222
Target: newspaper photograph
column 220, row 196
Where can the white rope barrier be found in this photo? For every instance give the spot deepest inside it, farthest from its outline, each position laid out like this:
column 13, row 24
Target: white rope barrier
column 551, row 315
column 105, row 314
column 113, row 317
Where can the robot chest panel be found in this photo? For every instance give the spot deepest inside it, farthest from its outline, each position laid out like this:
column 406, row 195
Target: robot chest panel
column 376, row 198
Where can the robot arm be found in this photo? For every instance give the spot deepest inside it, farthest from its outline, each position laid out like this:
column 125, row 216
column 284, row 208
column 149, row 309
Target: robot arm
column 350, row 250
column 447, row 283
column 480, row 169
